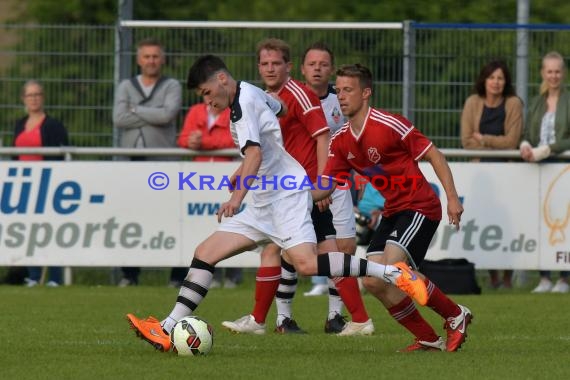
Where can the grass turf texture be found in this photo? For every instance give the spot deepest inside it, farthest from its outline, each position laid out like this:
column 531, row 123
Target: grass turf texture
column 80, row 332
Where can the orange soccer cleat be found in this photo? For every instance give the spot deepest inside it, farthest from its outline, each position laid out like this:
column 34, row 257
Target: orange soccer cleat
column 150, row 330
column 411, row 284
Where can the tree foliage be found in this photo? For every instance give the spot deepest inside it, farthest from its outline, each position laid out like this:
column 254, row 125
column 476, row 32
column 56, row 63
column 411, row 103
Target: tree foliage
column 481, row 11
column 92, row 95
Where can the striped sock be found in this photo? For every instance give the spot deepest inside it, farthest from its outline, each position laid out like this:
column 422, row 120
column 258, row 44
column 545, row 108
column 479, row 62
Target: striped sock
column 285, row 291
column 406, row 314
column 439, row 302
column 193, row 290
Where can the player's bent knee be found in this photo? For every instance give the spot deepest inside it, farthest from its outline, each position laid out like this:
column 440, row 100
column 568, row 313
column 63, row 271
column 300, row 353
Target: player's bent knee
column 201, row 253
column 348, row 247
column 374, row 285
column 305, row 267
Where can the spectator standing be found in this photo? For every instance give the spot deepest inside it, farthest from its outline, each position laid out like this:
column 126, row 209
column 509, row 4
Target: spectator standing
column 145, row 111
column 547, row 133
column 317, row 67
column 38, row 129
column 492, row 118
column 208, row 128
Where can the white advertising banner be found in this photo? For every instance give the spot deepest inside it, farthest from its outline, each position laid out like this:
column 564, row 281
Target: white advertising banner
column 555, row 217
column 156, row 213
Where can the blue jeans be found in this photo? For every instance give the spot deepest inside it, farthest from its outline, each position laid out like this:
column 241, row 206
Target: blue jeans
column 55, row 274
column 546, row 273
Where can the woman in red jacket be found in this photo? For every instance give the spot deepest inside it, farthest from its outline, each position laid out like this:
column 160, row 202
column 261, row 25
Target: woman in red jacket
column 207, row 128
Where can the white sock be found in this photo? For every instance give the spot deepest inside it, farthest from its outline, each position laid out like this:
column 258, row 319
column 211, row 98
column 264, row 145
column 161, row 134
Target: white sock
column 168, row 324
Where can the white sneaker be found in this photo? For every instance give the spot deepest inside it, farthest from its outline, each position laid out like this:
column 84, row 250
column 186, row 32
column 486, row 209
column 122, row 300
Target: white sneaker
column 245, row 325
column 357, row 328
column 31, row 283
column 52, row 284
column 560, row 287
column 125, row 282
column 229, row 284
column 543, row 286
column 318, row 290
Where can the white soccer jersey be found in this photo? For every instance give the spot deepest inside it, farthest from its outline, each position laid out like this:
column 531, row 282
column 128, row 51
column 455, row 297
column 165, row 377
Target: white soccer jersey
column 253, row 119
column 331, row 108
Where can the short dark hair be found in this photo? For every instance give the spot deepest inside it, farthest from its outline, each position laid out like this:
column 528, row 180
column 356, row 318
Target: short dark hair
column 203, row 69
column 319, row 45
column 486, row 72
column 363, row 74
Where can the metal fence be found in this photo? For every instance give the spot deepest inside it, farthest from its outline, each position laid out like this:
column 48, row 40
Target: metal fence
column 422, row 70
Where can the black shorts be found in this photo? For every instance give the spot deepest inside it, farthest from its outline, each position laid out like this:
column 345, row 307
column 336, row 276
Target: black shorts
column 409, row 230
column 323, row 224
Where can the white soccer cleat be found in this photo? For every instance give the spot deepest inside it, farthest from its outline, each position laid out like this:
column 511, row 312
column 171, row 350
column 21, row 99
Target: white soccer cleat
column 561, row 287
column 421, row 345
column 357, row 328
column 245, row 325
column 543, row 286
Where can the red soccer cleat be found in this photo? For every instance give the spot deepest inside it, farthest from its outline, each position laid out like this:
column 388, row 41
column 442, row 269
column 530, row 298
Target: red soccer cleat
column 457, row 329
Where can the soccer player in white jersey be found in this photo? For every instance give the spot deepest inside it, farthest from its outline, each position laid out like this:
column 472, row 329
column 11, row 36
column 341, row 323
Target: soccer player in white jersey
column 306, row 138
column 281, row 215
column 317, row 67
column 386, row 148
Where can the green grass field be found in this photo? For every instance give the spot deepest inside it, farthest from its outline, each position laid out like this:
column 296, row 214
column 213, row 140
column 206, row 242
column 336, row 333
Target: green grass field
column 80, row 332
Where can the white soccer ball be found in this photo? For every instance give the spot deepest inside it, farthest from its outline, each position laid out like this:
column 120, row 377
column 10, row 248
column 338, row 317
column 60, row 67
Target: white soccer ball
column 192, row 336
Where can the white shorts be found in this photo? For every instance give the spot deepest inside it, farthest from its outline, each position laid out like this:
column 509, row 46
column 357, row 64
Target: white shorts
column 343, row 214
column 287, row 222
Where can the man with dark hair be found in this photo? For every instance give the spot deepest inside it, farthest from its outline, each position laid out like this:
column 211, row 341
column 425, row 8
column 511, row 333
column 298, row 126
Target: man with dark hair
column 277, row 214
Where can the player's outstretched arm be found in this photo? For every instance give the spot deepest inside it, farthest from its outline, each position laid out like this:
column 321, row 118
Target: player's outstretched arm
column 443, row 172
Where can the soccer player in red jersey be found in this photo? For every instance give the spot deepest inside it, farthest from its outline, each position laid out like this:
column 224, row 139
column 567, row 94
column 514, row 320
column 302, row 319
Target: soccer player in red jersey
column 306, row 138
column 386, row 149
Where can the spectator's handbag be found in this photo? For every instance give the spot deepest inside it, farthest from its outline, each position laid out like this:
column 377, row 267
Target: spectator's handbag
column 452, row 276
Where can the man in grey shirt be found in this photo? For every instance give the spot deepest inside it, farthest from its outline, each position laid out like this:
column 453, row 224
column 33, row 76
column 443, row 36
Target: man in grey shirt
column 146, row 106
column 145, row 111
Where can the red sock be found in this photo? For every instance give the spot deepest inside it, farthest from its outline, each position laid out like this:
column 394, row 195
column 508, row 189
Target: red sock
column 439, row 302
column 266, row 283
column 408, row 316
column 349, row 292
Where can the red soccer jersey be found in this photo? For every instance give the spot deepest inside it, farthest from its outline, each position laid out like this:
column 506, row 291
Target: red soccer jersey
column 304, row 120
column 386, row 152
